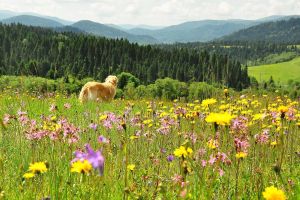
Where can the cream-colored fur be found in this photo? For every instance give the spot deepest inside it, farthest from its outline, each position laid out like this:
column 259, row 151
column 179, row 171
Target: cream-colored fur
column 93, row 91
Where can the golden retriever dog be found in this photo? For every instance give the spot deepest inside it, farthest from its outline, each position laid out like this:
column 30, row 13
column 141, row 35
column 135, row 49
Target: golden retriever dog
column 95, row 91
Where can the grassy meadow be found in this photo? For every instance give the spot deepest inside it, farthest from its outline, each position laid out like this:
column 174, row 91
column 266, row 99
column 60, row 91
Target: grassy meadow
column 226, row 147
column 281, row 72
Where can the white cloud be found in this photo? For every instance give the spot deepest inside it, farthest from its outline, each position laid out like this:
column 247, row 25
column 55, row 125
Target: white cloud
column 153, row 12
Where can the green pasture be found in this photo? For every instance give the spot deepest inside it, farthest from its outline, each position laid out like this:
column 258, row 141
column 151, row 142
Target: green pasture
column 281, row 72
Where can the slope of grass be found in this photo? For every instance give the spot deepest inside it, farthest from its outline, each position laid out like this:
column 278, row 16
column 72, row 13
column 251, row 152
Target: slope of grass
column 281, row 72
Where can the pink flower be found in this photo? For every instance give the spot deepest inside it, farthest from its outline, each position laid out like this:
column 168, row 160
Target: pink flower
column 52, row 108
column 67, row 105
column 93, row 126
column 183, row 193
column 221, row 172
column 177, row 178
column 203, row 163
column 212, row 160
column 6, row 119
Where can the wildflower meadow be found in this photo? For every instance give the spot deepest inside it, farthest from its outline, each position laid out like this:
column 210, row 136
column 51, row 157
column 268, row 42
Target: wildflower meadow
column 230, row 146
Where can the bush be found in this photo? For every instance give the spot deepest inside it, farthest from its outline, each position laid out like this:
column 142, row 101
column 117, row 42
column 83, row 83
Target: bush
column 201, row 90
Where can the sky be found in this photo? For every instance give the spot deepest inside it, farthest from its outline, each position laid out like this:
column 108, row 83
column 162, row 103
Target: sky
column 153, row 12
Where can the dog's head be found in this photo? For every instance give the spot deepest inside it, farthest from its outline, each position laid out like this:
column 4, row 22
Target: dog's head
column 112, row 79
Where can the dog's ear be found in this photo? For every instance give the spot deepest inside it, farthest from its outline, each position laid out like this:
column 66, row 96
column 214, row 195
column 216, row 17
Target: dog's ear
column 116, row 80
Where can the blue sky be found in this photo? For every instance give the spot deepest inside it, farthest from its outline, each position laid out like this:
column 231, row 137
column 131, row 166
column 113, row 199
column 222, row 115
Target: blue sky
column 153, row 12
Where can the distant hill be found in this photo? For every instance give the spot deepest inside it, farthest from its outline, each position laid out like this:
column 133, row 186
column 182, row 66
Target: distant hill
column 111, row 32
column 202, row 31
column 30, row 20
column 6, row 14
column 194, row 31
column 284, row 31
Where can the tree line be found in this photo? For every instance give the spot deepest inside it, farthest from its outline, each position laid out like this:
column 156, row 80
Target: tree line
column 43, row 52
column 246, row 52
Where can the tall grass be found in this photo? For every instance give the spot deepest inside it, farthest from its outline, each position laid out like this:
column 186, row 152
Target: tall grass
column 146, row 134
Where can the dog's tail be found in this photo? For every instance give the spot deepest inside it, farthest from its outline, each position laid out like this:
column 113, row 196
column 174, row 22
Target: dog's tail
column 83, row 96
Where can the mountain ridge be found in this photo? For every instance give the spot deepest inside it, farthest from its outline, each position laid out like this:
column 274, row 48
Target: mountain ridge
column 190, row 31
column 284, row 31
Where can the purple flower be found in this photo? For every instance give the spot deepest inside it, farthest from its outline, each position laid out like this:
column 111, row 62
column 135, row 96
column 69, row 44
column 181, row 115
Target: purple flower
column 102, row 139
column 170, row 158
column 93, row 126
column 163, row 150
column 95, row 158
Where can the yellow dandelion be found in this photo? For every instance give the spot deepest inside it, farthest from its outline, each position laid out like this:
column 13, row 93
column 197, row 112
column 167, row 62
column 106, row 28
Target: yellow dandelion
column 272, row 193
column 282, row 109
column 207, row 102
column 219, row 118
column 28, row 175
column 38, row 167
column 258, row 116
column 130, row 167
column 274, row 143
column 83, row 167
column 240, row 155
column 183, row 152
column 102, row 117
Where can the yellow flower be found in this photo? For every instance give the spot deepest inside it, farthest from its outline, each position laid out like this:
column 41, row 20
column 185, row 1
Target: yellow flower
column 28, row 175
column 133, row 137
column 38, row 167
column 274, row 143
column 240, row 155
column 225, row 90
column 147, row 121
column 272, row 193
column 258, row 116
column 207, row 102
column 219, row 118
column 53, row 118
column 102, row 117
column 212, row 144
column 130, row 167
column 81, row 167
column 189, row 151
column 282, row 109
column 183, row 152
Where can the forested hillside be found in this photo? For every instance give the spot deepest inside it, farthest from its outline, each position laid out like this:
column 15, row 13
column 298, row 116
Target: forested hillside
column 43, row 52
column 285, row 31
column 246, row 52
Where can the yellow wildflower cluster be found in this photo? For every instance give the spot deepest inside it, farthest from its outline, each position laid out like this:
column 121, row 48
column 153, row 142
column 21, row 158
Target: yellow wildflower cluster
column 207, row 102
column 35, row 168
column 219, row 118
column 183, row 152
